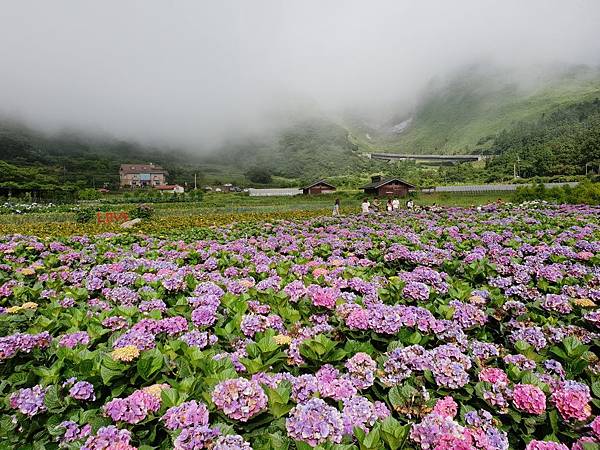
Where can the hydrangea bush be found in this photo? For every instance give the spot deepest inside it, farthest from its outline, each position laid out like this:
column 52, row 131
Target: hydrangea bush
column 454, row 329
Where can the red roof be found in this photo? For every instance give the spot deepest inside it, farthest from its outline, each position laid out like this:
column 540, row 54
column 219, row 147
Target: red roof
column 167, row 187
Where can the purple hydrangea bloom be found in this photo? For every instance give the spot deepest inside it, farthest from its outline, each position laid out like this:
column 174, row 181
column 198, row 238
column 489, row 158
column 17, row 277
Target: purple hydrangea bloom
column 132, row 409
column 82, row 390
column 198, row 339
column 416, row 290
column 204, row 316
column 304, row 387
column 315, row 422
column 358, row 412
column 29, row 401
column 361, row 369
column 187, row 414
column 73, row 339
column 73, row 432
column 231, row 442
column 107, row 437
column 195, row 438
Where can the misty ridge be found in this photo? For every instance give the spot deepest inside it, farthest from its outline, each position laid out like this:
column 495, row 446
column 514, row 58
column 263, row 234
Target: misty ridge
column 198, row 75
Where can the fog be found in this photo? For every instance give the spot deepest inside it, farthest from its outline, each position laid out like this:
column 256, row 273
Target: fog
column 192, row 73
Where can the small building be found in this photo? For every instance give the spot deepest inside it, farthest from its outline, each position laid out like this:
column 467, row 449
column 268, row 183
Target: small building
column 171, row 188
column 387, row 187
column 318, row 187
column 141, row 175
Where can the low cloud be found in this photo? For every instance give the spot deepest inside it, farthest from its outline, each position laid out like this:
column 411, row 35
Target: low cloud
column 192, row 73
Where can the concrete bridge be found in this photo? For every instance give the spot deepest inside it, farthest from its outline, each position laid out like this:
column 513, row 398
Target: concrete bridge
column 448, row 158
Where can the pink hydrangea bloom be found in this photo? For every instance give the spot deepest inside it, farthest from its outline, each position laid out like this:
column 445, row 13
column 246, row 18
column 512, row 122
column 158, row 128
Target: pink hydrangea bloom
column 529, row 398
column 596, row 426
column 493, row 375
column 239, row 399
column 446, row 407
column 545, row 445
column 572, row 400
column 324, row 296
column 132, row 409
column 579, row 444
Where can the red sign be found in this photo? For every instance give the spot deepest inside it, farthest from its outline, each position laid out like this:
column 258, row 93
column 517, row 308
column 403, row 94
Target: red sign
column 112, row 217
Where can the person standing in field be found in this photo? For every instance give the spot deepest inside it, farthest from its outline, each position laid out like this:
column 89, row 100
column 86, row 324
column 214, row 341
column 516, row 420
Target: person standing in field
column 376, row 205
column 395, row 205
column 336, row 207
column 388, row 206
column 365, row 206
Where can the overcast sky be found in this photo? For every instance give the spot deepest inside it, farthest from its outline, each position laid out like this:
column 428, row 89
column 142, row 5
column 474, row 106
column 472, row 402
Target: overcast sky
column 192, row 72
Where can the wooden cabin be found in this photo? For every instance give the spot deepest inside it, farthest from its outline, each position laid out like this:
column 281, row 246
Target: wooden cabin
column 387, row 187
column 318, row 187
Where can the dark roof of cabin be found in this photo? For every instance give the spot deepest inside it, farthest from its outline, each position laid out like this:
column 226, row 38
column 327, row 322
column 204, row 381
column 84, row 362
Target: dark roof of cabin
column 319, row 182
column 376, row 184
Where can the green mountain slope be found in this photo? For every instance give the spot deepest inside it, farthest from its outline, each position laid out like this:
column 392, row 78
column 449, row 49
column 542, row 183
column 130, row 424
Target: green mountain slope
column 559, row 143
column 309, row 149
column 457, row 116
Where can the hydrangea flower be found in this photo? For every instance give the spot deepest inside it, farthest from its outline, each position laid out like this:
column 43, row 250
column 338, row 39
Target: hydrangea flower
column 127, row 353
column 20, row 342
column 231, row 442
column 29, row 401
column 416, row 291
column 108, row 437
column 187, row 414
column 529, row 398
column 315, row 422
column 82, row 390
column 304, row 387
column 200, row 339
column 493, row 375
column 204, row 316
column 361, row 369
column 360, row 412
column 73, row 339
column 572, row 400
column 323, row 296
column 239, row 399
column 545, row 445
column 73, row 432
column 446, row 407
column 195, row 438
column 132, row 409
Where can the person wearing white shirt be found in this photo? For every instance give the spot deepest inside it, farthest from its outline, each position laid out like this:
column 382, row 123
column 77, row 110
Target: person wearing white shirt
column 365, row 206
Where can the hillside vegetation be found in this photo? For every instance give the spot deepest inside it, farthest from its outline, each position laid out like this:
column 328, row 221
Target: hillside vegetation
column 458, row 115
column 550, row 129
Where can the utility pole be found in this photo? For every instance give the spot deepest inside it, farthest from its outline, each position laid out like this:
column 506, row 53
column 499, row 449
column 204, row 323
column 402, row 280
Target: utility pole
column 195, row 187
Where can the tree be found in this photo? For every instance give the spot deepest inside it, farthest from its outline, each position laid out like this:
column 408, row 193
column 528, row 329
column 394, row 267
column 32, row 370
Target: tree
column 259, row 175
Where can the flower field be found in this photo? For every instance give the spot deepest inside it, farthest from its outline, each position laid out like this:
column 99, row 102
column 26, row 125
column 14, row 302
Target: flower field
column 441, row 330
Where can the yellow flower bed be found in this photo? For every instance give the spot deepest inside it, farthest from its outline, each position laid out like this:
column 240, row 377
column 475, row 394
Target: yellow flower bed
column 157, row 225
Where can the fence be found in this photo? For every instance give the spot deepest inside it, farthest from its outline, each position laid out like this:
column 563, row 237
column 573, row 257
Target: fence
column 480, row 188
